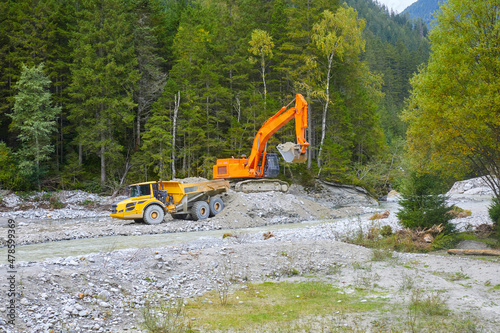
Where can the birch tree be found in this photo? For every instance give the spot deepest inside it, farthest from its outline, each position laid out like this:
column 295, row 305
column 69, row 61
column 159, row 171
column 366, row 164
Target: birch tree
column 261, row 45
column 337, row 37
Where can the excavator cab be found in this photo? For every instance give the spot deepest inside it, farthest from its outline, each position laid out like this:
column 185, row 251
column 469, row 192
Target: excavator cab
column 272, row 166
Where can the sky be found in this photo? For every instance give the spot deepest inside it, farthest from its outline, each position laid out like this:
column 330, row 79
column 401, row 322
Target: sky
column 397, row 5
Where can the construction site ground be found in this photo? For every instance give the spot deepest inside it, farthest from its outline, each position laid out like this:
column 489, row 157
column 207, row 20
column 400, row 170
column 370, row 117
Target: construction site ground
column 274, row 237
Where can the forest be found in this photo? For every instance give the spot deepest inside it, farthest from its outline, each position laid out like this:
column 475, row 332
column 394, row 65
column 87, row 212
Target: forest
column 96, row 94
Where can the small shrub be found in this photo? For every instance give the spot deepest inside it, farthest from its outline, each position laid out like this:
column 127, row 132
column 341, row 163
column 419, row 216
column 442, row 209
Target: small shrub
column 444, row 241
column 424, row 212
column 494, row 211
column 458, row 212
column 422, row 205
column 24, row 195
column 164, row 318
column 89, row 203
column 55, row 203
column 386, row 231
column 431, row 304
column 381, row 254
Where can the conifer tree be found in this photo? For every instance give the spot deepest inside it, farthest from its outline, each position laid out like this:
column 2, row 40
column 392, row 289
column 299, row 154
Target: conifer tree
column 104, row 76
column 33, row 118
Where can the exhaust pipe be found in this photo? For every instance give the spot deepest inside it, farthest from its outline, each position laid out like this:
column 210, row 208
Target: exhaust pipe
column 291, row 152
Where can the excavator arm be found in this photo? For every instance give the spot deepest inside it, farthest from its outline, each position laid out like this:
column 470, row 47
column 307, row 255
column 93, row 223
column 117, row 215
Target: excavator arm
column 273, row 124
column 253, row 167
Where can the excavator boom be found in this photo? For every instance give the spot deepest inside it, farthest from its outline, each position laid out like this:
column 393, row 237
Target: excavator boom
column 261, row 164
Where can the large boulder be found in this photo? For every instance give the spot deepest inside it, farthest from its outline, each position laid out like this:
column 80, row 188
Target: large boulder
column 474, row 186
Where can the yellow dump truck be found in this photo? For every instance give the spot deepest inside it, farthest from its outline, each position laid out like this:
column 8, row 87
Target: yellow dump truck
column 150, row 201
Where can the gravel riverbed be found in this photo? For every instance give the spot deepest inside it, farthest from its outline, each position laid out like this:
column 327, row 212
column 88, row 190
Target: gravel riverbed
column 105, row 291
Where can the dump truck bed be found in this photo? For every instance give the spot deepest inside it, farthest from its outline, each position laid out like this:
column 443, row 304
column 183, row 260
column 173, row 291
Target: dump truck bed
column 183, row 194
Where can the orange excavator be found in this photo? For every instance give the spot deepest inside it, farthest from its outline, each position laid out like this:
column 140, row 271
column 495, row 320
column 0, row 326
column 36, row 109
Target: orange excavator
column 261, row 164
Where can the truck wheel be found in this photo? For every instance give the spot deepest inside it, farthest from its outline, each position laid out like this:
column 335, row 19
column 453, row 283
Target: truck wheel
column 200, row 210
column 154, row 214
column 216, row 206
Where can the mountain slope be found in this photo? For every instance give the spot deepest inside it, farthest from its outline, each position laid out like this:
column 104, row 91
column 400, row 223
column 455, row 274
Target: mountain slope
column 423, row 9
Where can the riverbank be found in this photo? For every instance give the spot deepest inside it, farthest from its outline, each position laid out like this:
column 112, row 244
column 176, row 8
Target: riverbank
column 105, row 291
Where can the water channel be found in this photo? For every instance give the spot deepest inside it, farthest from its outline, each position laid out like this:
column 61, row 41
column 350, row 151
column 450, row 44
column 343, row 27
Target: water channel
column 78, row 247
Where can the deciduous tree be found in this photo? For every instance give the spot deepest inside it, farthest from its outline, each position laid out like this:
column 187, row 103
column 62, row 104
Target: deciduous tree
column 261, row 45
column 337, row 36
column 453, row 113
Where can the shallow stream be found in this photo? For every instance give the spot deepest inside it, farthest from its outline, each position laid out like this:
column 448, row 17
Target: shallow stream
column 78, row 247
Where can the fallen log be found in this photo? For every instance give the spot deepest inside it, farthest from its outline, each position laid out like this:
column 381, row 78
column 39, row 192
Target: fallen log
column 476, row 252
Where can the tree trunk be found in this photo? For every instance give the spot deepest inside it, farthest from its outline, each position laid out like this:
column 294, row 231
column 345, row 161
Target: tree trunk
column 138, row 128
column 103, row 161
column 80, row 154
column 325, row 109
column 177, row 100
column 309, row 136
column 477, row 252
column 263, row 63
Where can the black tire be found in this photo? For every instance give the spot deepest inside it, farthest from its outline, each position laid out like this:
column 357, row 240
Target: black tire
column 200, row 211
column 216, row 206
column 139, row 220
column 154, row 214
column 180, row 216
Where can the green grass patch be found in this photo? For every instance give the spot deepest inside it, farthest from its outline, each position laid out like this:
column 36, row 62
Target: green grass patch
column 449, row 241
column 456, row 276
column 307, row 307
column 278, row 303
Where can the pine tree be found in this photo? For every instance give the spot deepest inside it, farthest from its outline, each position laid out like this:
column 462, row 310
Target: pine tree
column 104, row 77
column 150, row 62
column 33, row 118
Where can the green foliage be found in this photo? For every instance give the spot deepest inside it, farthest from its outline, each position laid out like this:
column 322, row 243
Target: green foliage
column 433, row 304
column 33, row 119
column 108, row 62
column 10, row 178
column 395, row 47
column 104, row 76
column 385, row 242
column 494, row 211
column 422, row 206
column 453, row 124
column 386, row 231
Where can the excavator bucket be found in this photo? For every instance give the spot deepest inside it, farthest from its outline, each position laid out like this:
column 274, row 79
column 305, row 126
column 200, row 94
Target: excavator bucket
column 291, row 152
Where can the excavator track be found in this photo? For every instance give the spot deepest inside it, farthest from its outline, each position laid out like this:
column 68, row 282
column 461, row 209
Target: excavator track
column 261, row 185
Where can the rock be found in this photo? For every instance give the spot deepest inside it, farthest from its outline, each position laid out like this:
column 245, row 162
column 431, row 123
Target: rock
column 104, row 304
column 393, row 196
column 428, row 238
column 472, row 245
column 474, row 186
column 104, row 295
